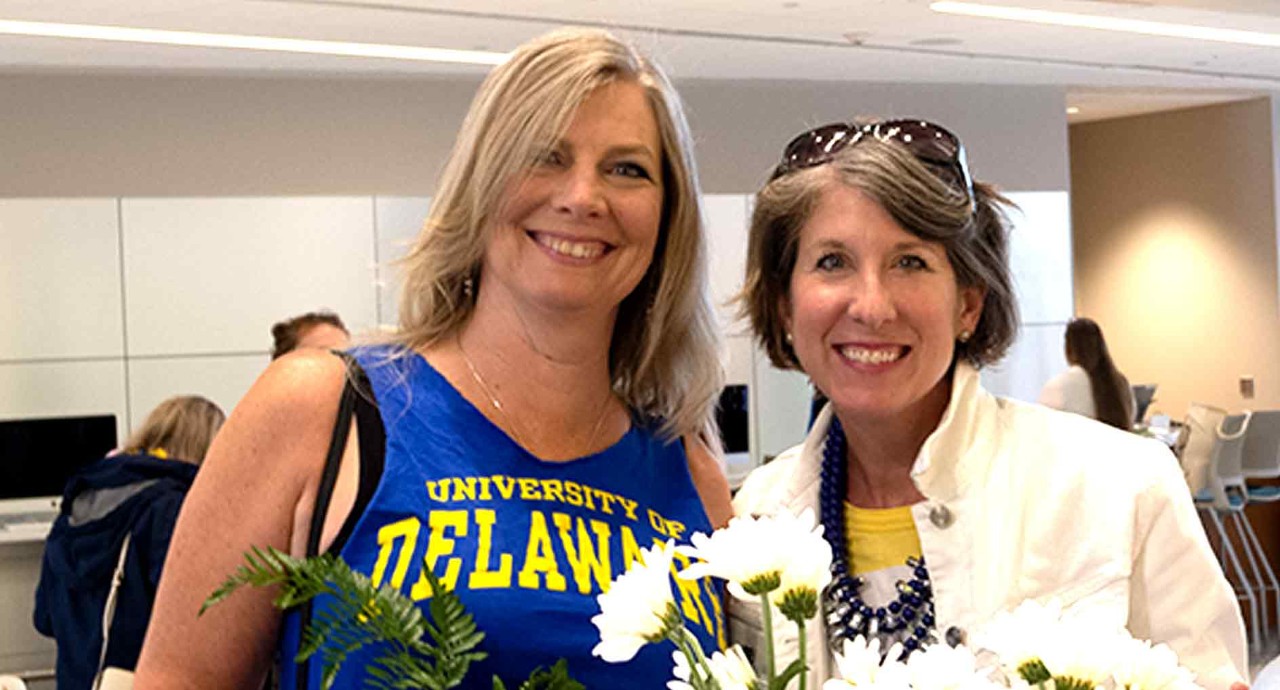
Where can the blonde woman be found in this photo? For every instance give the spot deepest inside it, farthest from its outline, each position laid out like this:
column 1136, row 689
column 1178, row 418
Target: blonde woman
column 546, row 407
column 135, row 493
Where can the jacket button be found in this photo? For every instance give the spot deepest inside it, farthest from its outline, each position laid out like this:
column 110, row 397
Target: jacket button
column 941, row 516
column 955, row 636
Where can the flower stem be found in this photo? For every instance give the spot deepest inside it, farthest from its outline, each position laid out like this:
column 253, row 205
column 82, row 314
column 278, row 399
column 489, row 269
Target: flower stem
column 699, row 670
column 765, row 616
column 804, row 669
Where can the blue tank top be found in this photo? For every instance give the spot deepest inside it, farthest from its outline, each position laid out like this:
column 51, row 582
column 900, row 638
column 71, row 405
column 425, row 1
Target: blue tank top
column 526, row 544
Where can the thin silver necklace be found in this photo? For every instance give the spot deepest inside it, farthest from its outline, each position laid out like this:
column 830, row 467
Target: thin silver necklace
column 507, row 419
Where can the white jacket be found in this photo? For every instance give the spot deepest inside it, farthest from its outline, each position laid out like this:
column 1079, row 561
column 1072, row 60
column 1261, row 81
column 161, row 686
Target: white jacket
column 1026, row 502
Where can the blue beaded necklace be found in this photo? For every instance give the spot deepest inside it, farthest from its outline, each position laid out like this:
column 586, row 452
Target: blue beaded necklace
column 909, row 618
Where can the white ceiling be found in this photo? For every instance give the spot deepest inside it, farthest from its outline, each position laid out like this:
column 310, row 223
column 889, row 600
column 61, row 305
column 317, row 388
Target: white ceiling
column 1106, row 74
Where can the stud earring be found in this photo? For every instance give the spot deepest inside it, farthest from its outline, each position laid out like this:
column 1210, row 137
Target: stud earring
column 964, row 336
column 468, row 288
column 790, row 340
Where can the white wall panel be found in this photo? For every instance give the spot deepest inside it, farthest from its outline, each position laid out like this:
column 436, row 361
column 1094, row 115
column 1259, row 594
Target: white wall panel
column 212, row 275
column 780, row 400
column 64, row 389
column 399, row 220
column 59, row 279
column 1040, row 255
column 1036, row 356
column 726, row 217
column 223, row 380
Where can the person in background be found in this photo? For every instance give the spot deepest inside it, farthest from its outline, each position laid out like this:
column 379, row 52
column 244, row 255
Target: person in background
column 878, row 267
column 547, row 402
column 1092, row 386
column 136, row 492
column 322, row 329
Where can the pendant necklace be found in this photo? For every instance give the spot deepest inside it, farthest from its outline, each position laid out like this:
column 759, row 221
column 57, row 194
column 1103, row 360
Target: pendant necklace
column 508, row 420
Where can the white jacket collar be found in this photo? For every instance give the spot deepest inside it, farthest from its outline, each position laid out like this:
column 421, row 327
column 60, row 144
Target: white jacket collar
column 957, row 451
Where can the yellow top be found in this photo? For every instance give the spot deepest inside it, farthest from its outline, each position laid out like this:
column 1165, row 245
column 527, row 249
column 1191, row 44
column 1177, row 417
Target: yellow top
column 879, row 538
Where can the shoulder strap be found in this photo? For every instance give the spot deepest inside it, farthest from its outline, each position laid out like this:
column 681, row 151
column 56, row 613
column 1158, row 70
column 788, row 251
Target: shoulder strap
column 109, row 611
column 358, row 399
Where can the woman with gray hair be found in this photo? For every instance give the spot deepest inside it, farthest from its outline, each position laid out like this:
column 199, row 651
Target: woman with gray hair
column 878, row 267
column 545, row 409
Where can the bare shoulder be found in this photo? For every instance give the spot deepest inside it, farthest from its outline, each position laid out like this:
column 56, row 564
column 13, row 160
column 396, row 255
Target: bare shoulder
column 253, row 489
column 708, row 478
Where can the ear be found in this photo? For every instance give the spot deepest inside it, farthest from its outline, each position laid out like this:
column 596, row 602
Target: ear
column 784, row 312
column 970, row 307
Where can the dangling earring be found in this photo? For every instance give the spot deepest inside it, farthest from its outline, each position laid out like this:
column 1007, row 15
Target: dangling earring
column 469, row 288
column 964, row 336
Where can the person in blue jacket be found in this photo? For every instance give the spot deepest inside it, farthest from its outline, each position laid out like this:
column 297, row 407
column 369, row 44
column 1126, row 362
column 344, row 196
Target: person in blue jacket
column 136, row 492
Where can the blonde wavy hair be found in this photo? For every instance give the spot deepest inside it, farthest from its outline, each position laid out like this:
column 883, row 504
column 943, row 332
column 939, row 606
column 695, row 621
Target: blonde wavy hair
column 182, row 426
column 663, row 356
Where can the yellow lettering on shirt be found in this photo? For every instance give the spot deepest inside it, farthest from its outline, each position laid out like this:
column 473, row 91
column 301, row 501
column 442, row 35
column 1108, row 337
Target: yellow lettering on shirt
column 540, row 557
column 506, row 486
column 585, row 558
column 440, row 544
column 464, row 489
column 690, row 601
column 552, row 490
column 630, row 547
column 406, row 532
column 529, row 489
column 439, row 490
column 573, row 493
column 482, row 577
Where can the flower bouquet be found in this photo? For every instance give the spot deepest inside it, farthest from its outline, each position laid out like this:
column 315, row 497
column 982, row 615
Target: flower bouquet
column 781, row 561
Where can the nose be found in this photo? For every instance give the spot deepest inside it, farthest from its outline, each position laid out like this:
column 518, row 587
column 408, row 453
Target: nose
column 580, row 193
column 871, row 302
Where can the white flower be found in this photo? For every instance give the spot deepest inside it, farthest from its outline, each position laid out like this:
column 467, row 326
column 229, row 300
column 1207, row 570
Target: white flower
column 807, row 567
column 747, row 550
column 1020, row 635
column 638, row 608
column 941, row 667
column 730, row 669
column 1078, row 646
column 859, row 664
column 751, row 550
column 1141, row 666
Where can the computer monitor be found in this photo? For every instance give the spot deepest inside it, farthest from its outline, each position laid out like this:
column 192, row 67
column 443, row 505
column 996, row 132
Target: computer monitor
column 38, row 456
column 733, row 417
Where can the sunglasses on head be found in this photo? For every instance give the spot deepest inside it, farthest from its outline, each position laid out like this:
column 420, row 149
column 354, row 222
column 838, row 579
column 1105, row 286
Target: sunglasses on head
column 931, row 144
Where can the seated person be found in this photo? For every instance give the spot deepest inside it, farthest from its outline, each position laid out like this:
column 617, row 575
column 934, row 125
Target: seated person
column 136, row 493
column 1092, row 386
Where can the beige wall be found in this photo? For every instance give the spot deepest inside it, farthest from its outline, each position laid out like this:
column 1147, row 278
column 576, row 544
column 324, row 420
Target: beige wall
column 1174, row 225
column 156, row 135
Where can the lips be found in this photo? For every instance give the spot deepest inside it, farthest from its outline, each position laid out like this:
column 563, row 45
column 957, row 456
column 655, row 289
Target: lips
column 873, row 354
column 572, row 248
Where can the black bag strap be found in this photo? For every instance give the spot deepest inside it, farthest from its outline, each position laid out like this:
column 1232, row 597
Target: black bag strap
column 357, row 399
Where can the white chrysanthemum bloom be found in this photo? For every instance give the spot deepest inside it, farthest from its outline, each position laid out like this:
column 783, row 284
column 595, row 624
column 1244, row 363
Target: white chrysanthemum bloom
column 729, row 669
column 1141, row 666
column 807, row 566
column 860, row 664
column 749, row 551
column 639, row 607
column 1021, row 635
column 941, row 667
column 1077, row 646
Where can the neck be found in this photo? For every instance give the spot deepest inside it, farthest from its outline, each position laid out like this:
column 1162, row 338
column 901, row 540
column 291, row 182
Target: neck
column 546, row 384
column 881, row 450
